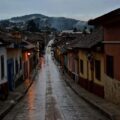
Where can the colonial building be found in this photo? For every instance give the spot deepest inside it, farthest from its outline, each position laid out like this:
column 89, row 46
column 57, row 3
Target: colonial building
column 111, row 25
column 19, row 56
column 88, row 60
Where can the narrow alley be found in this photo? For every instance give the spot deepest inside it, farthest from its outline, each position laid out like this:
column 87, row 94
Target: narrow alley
column 50, row 98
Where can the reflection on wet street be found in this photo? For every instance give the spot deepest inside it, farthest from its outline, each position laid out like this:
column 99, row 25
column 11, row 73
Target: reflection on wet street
column 49, row 98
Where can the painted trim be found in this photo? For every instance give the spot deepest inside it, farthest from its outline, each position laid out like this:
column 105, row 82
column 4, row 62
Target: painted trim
column 111, row 42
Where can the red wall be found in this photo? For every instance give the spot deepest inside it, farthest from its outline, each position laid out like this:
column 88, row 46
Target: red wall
column 112, row 33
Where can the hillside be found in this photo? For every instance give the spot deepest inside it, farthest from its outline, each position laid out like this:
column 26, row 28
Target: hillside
column 59, row 23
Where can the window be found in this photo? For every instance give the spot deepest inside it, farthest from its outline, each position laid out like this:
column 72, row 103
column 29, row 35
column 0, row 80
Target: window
column 81, row 66
column 110, row 66
column 97, row 70
column 20, row 63
column 2, row 67
column 16, row 65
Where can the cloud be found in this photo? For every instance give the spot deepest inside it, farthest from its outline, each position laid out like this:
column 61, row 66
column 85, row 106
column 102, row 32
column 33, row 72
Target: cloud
column 83, row 9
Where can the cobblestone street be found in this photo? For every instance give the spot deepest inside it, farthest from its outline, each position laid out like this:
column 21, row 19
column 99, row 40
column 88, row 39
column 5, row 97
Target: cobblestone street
column 50, row 98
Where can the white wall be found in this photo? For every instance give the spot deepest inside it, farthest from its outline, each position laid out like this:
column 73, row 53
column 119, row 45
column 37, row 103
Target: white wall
column 112, row 89
column 4, row 53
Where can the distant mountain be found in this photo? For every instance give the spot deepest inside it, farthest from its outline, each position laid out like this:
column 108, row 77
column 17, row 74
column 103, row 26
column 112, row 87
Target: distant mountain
column 59, row 23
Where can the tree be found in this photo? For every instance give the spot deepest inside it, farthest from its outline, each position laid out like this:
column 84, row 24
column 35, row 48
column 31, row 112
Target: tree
column 15, row 28
column 32, row 27
column 75, row 29
column 85, row 30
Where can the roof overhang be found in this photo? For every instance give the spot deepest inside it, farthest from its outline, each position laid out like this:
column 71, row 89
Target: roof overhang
column 109, row 18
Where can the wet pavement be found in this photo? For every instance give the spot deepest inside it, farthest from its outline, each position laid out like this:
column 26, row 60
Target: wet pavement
column 50, row 98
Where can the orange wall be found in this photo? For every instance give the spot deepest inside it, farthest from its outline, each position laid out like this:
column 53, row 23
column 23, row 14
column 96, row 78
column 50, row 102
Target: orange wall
column 25, row 56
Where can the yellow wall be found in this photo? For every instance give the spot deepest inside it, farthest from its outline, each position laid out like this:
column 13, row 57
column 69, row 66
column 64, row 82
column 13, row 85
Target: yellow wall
column 87, row 67
column 100, row 57
column 70, row 61
column 58, row 52
column 82, row 56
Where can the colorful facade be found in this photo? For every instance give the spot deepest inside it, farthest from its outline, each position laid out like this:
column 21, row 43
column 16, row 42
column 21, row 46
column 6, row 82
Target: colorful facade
column 83, row 61
column 91, row 72
column 14, row 67
column 18, row 59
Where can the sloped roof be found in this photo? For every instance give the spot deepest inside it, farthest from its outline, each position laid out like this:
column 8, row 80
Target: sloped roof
column 65, row 39
column 110, row 17
column 33, row 37
column 6, row 37
column 27, row 45
column 83, row 41
column 89, row 40
column 86, row 40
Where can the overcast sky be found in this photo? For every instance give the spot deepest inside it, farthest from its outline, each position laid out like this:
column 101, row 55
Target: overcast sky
column 79, row 9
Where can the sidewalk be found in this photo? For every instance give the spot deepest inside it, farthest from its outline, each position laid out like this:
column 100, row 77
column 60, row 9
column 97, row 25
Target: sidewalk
column 15, row 97
column 112, row 111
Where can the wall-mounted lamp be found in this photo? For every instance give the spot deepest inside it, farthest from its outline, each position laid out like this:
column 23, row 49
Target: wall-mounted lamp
column 91, row 59
column 29, row 53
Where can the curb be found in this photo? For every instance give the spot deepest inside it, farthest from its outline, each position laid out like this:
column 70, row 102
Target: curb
column 16, row 101
column 108, row 115
column 12, row 105
column 6, row 110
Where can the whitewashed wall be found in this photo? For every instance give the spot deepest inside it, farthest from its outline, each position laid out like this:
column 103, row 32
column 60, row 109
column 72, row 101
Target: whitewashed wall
column 112, row 89
column 4, row 53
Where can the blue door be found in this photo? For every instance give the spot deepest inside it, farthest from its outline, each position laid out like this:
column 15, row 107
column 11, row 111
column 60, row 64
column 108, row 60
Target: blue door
column 10, row 72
